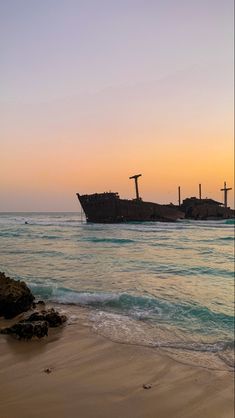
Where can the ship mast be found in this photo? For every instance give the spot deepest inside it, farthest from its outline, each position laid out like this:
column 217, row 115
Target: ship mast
column 179, row 196
column 200, row 191
column 225, row 190
column 135, row 177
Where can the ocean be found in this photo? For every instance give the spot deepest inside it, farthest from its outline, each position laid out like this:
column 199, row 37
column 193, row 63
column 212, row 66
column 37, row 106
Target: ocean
column 167, row 286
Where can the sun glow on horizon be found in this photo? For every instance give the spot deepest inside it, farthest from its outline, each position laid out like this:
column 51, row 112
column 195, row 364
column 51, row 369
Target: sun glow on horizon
column 126, row 102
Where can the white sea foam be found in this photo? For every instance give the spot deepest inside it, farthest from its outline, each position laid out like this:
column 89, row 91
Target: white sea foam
column 84, row 298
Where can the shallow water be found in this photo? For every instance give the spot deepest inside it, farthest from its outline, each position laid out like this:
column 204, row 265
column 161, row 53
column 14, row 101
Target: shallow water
column 166, row 285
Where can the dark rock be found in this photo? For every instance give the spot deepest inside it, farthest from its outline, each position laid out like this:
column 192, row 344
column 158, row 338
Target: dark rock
column 15, row 297
column 48, row 370
column 26, row 330
column 36, row 324
column 40, row 302
column 147, row 386
column 53, row 317
column 40, row 329
column 36, row 316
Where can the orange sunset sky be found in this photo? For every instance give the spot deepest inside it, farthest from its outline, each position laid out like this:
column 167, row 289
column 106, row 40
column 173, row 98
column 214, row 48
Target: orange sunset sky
column 94, row 92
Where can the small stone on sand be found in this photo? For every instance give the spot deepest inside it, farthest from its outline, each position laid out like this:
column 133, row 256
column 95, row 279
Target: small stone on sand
column 48, row 370
column 147, row 386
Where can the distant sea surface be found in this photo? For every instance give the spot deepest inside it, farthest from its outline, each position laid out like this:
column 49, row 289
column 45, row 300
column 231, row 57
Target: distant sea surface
column 169, row 286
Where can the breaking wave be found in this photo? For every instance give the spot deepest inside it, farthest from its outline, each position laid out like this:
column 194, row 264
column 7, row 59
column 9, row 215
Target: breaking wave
column 141, row 307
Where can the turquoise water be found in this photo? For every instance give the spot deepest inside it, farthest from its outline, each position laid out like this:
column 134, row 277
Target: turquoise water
column 169, row 286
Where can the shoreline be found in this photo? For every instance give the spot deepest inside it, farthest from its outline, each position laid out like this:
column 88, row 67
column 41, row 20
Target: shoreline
column 91, row 376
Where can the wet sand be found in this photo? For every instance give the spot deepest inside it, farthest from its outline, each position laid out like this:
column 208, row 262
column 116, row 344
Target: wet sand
column 92, row 377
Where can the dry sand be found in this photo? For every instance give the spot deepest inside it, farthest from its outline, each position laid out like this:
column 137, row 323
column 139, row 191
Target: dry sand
column 92, row 377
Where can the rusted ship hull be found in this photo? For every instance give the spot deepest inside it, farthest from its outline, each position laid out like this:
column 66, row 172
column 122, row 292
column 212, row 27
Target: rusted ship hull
column 109, row 208
column 205, row 209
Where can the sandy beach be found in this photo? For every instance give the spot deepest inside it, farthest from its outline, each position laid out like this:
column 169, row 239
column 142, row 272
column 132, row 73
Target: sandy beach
column 90, row 376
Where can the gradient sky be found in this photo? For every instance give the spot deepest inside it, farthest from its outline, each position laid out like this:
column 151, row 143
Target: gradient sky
column 95, row 91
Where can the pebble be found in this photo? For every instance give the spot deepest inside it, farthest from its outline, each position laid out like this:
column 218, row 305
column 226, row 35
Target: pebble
column 147, row 386
column 48, row 370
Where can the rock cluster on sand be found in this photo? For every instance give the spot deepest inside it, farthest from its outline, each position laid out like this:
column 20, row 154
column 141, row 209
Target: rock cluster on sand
column 15, row 298
column 36, row 324
column 27, row 330
column 53, row 318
